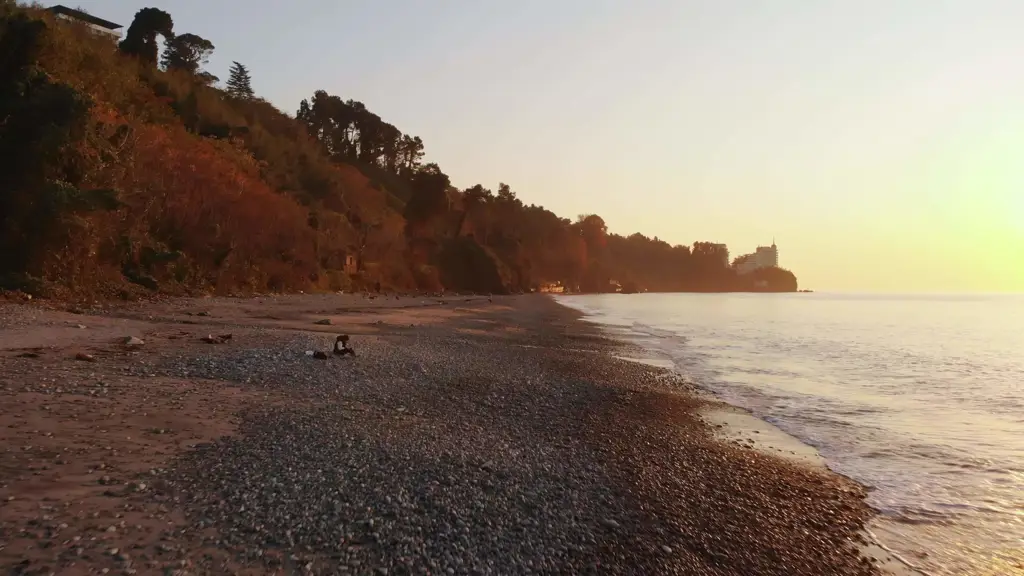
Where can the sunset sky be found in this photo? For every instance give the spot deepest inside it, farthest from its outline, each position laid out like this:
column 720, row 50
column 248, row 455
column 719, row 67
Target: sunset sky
column 880, row 142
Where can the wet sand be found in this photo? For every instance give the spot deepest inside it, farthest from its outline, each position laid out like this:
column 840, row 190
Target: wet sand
column 466, row 436
column 742, row 428
column 738, row 426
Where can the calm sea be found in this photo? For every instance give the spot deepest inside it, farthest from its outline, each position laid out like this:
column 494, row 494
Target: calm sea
column 920, row 398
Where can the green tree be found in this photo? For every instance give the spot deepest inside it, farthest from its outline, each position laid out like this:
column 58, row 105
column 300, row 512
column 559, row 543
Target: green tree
column 410, row 153
column 473, row 203
column 240, row 82
column 429, row 198
column 188, row 52
column 770, row 279
column 349, row 131
column 41, row 122
column 593, row 230
column 507, row 197
column 140, row 40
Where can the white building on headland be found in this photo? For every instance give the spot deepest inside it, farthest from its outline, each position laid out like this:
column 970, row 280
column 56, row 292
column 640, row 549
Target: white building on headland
column 763, row 257
column 104, row 28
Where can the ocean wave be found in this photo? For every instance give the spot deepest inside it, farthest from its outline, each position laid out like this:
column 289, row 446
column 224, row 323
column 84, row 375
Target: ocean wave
column 914, row 398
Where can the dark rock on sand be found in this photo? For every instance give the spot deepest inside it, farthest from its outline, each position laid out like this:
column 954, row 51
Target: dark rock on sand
column 341, row 347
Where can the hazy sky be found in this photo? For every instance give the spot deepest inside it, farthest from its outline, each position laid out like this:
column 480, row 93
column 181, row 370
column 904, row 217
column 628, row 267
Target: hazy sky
column 881, row 142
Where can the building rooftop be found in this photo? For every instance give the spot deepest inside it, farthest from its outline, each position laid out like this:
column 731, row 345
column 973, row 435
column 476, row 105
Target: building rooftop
column 84, row 17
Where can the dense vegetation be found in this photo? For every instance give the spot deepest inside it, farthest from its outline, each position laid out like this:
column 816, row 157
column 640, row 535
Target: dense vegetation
column 124, row 170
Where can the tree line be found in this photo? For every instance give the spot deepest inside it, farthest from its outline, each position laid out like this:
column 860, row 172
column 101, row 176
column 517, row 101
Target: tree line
column 332, row 181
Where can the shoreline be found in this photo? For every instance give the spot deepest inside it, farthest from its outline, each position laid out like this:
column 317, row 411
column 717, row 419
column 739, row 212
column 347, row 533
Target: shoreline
column 465, row 434
column 739, row 426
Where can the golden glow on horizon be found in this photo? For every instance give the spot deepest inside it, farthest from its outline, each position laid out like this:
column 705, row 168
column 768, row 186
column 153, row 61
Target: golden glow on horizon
column 951, row 219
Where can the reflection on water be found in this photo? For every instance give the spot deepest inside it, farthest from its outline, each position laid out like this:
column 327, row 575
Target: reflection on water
column 919, row 398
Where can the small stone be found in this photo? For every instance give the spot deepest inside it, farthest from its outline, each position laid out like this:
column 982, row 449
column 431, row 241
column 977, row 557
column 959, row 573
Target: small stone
column 82, row 356
column 610, row 523
column 666, row 549
column 132, row 341
column 323, row 322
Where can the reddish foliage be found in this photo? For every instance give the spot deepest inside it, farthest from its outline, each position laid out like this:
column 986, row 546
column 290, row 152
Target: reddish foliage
column 189, row 195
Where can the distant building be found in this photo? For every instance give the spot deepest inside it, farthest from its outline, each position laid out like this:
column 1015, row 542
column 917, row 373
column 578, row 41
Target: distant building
column 99, row 25
column 763, row 257
column 552, row 287
column 351, row 265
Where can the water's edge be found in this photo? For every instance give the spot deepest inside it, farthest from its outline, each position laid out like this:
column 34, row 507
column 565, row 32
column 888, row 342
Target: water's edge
column 739, row 422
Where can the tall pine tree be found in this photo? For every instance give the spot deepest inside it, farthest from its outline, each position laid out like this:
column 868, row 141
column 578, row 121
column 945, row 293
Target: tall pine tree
column 187, row 52
column 240, row 83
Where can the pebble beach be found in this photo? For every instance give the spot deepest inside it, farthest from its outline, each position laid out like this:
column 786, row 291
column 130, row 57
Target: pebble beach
column 467, row 435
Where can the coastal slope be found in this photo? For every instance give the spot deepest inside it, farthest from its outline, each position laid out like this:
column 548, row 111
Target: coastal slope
column 467, row 435
column 123, row 178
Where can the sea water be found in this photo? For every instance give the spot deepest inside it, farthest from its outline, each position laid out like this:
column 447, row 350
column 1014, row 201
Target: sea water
column 919, row 398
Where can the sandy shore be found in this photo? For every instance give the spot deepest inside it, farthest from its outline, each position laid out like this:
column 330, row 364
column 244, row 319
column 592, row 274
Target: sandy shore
column 466, row 436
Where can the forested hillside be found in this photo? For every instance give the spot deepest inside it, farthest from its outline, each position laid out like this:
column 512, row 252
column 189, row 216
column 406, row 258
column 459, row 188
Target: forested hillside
column 128, row 168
